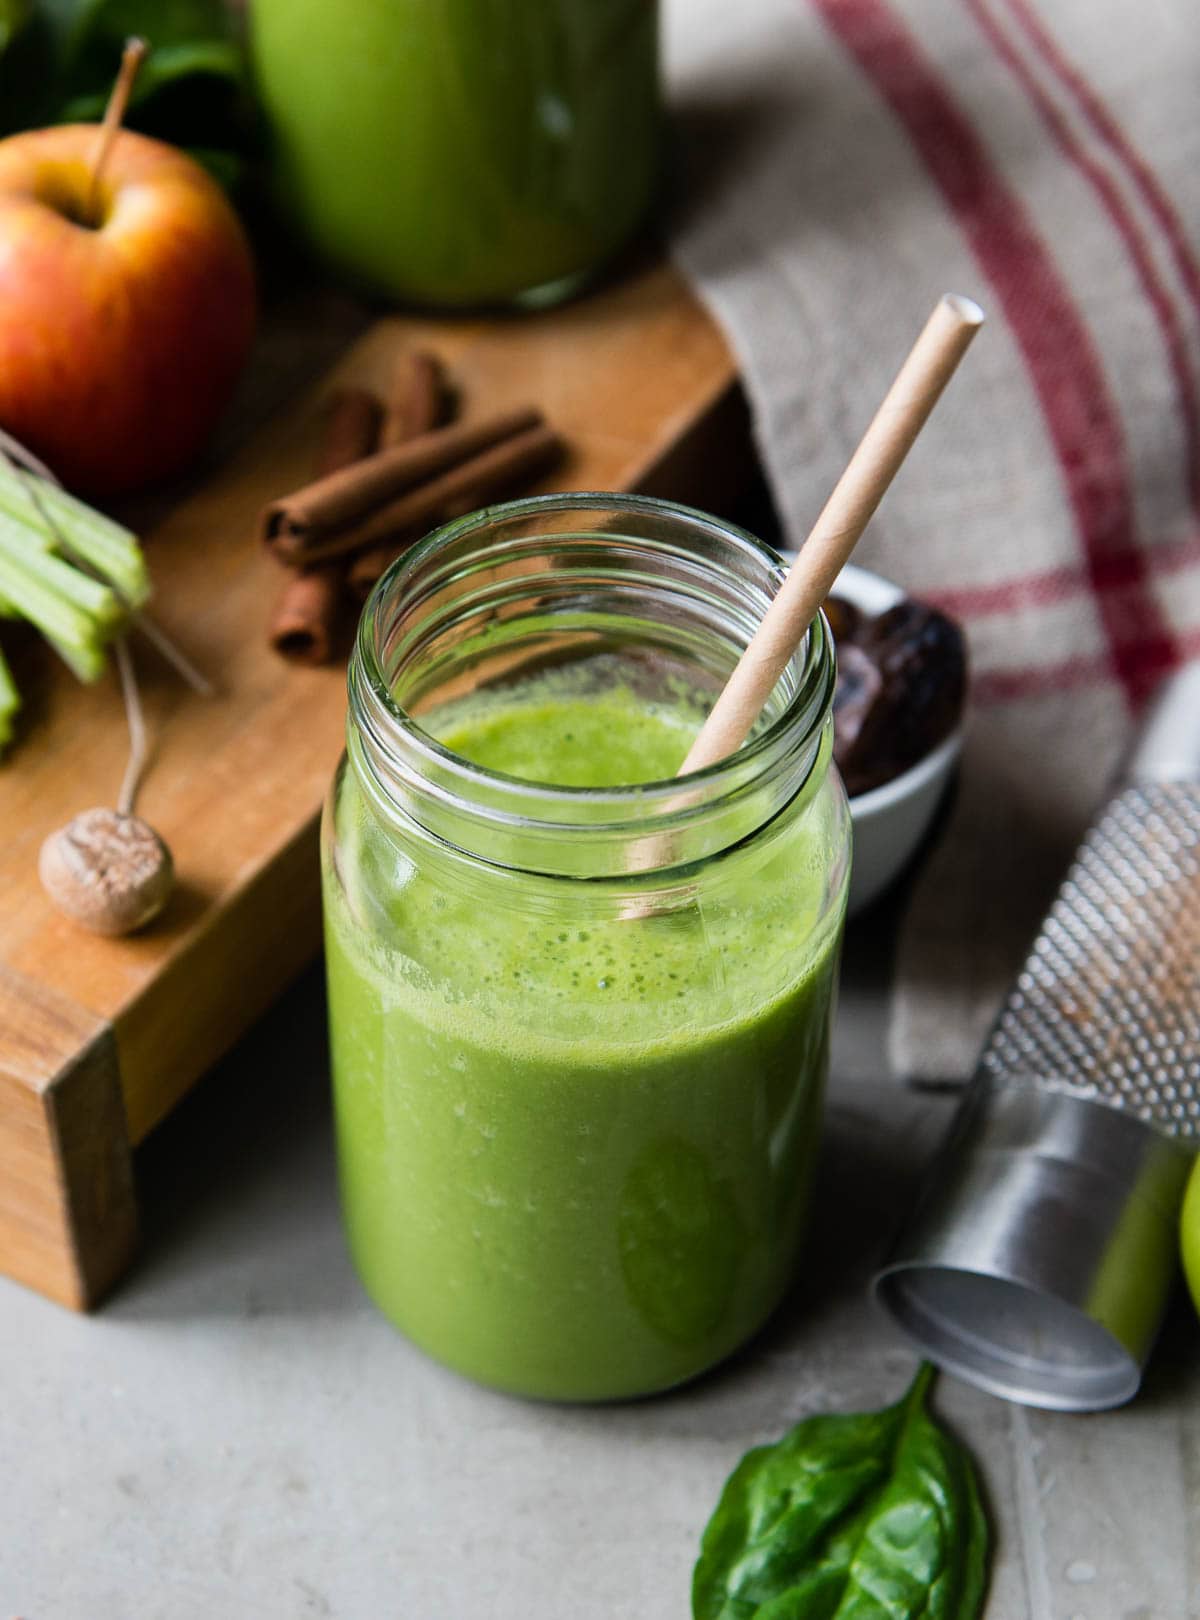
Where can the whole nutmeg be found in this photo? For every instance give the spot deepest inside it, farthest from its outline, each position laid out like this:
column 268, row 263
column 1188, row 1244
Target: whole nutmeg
column 109, row 871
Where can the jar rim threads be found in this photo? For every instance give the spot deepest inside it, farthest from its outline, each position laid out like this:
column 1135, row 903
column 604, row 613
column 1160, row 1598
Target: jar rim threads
column 550, row 577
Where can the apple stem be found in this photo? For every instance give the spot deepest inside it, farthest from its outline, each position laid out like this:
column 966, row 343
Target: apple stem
column 132, row 57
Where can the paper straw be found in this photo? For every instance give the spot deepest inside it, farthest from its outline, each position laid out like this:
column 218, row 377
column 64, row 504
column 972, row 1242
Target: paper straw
column 904, row 412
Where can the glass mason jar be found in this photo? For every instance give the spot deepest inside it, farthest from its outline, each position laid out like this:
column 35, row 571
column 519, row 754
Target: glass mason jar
column 462, row 152
column 579, row 1033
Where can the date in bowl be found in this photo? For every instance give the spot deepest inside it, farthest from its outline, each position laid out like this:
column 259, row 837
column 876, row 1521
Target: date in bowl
column 898, row 720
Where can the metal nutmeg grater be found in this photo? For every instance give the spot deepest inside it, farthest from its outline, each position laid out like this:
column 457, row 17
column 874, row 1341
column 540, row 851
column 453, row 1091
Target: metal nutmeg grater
column 1041, row 1253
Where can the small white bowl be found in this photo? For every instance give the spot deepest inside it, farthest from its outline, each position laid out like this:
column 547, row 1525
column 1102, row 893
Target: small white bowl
column 890, row 821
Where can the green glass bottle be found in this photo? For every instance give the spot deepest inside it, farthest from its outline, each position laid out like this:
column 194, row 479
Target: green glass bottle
column 458, row 153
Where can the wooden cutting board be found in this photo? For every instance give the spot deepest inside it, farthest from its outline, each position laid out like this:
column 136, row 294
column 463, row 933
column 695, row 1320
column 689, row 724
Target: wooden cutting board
column 99, row 1039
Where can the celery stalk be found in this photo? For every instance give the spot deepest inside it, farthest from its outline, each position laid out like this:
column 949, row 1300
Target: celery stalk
column 10, row 702
column 36, row 541
column 31, row 583
column 86, row 661
column 110, row 549
column 98, row 601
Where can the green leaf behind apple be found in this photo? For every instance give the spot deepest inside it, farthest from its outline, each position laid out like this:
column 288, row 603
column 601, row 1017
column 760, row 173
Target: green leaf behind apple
column 58, row 59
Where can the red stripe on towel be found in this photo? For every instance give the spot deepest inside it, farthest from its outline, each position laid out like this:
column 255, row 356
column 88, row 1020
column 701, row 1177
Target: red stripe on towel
column 1157, row 293
column 1061, row 359
column 1020, row 685
column 1047, row 586
column 1114, row 137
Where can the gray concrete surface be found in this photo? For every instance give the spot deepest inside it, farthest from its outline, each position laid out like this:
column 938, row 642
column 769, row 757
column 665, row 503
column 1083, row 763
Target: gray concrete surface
column 238, row 1433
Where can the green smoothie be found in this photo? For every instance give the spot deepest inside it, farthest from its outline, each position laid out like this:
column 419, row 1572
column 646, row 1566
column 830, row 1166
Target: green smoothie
column 463, row 151
column 575, row 1145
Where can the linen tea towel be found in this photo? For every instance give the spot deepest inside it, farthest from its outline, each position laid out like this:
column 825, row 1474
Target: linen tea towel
column 846, row 161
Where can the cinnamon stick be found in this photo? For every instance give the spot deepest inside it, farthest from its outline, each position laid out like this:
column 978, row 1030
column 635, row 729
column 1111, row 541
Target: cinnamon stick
column 460, row 488
column 417, row 398
column 352, row 426
column 473, row 483
column 307, row 615
column 304, row 624
column 323, row 518
column 369, row 567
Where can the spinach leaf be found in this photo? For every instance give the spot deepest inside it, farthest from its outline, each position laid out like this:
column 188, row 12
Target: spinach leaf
column 863, row 1516
column 14, row 14
column 28, row 66
column 58, row 59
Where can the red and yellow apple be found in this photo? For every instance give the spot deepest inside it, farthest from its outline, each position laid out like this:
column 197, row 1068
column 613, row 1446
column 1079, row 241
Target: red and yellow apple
column 121, row 334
